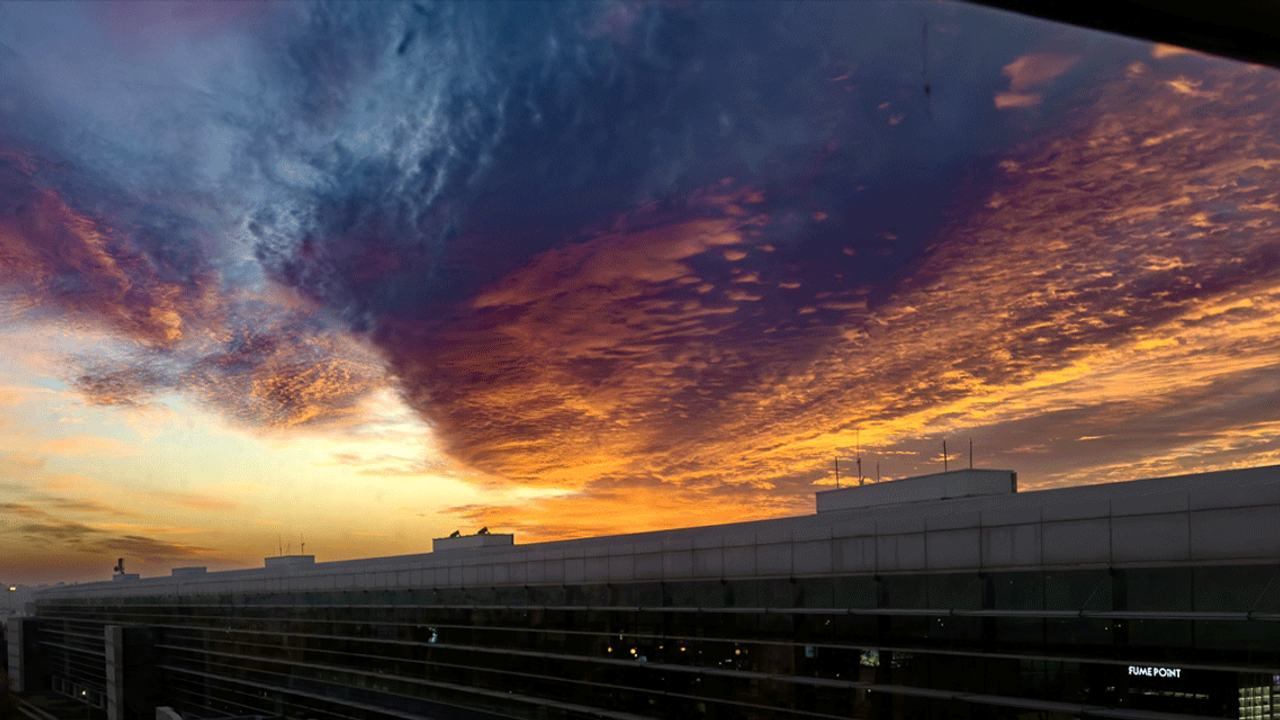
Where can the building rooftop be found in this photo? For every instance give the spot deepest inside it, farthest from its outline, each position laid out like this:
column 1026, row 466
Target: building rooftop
column 896, row 526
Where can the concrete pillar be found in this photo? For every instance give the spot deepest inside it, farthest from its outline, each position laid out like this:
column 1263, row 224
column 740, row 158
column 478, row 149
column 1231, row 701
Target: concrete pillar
column 133, row 685
column 115, row 671
column 17, row 674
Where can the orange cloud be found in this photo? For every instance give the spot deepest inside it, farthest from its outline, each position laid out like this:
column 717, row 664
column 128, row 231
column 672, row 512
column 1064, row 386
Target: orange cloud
column 1029, row 71
column 604, row 508
column 1006, row 100
column 1075, row 299
column 84, row 445
column 194, row 501
column 82, row 265
column 1037, row 69
column 1160, row 51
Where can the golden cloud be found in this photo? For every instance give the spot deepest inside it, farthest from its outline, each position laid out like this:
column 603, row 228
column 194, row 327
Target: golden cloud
column 1102, row 279
column 1029, row 71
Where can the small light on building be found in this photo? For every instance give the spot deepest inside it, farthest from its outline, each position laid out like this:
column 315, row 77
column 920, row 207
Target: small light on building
column 737, row 651
column 13, row 588
column 633, row 651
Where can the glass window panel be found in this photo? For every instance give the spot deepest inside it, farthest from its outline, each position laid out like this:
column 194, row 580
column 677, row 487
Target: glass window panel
column 1160, row 633
column 1159, row 589
column 1242, row 637
column 855, row 592
column 638, row 595
column 1018, row 591
column 815, row 593
column 1068, row 634
column 959, row 591
column 904, row 591
column 696, row 594
column 1237, row 589
column 1019, row 631
column 1078, row 590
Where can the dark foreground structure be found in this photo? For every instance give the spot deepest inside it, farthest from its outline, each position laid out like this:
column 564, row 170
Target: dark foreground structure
column 944, row 596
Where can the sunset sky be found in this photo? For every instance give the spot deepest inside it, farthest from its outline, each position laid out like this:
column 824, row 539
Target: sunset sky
column 363, row 274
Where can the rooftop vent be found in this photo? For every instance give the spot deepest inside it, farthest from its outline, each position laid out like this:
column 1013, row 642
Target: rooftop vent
column 289, row 560
column 922, row 488
column 484, row 538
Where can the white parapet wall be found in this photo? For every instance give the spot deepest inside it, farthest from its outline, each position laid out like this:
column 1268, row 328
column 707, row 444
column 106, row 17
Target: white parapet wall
column 923, row 488
column 281, row 561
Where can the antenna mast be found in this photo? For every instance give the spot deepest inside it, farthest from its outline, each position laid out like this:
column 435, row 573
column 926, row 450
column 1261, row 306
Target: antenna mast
column 970, row 453
column 858, row 445
column 837, row 459
column 944, row 455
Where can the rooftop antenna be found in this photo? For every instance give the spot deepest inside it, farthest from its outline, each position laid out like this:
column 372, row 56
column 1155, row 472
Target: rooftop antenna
column 924, row 64
column 970, row 453
column 279, row 544
column 304, row 544
column 858, row 445
column 290, row 547
column 944, row 456
column 837, row 459
column 877, row 471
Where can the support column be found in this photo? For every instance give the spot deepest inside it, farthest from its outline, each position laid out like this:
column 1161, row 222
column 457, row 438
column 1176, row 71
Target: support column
column 17, row 668
column 132, row 679
column 115, row 671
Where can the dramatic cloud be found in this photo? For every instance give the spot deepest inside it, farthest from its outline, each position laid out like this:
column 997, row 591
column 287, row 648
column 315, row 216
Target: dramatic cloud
column 71, row 261
column 85, row 538
column 638, row 257
column 1030, row 325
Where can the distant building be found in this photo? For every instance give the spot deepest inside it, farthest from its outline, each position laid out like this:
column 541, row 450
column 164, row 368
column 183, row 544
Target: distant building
column 944, row 596
column 14, row 598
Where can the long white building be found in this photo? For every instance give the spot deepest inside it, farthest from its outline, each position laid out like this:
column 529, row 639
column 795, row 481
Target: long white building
column 949, row 595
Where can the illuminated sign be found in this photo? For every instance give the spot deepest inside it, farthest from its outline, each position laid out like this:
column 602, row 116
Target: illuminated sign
column 1164, row 672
